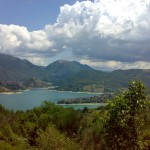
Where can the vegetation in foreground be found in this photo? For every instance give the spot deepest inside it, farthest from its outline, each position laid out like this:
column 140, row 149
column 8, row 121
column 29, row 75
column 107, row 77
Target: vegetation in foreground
column 124, row 124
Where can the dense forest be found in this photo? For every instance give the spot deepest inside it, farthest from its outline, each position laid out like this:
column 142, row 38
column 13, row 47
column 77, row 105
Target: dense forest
column 123, row 124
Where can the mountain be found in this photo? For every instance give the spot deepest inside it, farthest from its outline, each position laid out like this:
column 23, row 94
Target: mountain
column 132, row 74
column 15, row 69
column 98, row 81
column 62, row 69
column 70, row 75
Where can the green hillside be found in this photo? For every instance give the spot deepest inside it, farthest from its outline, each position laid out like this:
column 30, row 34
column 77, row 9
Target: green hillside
column 70, row 75
column 15, row 69
column 36, row 83
column 98, row 81
column 62, row 69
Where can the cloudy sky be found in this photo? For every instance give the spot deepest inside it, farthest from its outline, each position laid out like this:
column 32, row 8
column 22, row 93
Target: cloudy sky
column 105, row 34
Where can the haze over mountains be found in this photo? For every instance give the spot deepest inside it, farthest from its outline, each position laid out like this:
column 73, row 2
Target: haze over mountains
column 69, row 75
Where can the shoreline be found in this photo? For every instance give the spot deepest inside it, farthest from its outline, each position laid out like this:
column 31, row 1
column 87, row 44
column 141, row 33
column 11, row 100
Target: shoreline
column 47, row 89
column 3, row 93
column 78, row 92
column 30, row 89
column 80, row 104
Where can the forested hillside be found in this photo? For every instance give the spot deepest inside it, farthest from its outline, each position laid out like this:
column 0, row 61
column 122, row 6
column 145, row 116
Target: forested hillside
column 124, row 124
column 98, row 81
column 15, row 69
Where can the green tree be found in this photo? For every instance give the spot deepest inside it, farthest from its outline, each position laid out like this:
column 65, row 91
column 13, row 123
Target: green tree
column 123, row 126
column 52, row 139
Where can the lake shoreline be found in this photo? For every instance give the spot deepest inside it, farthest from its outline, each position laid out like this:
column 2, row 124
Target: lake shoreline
column 20, row 91
column 80, row 104
column 3, row 93
column 79, row 92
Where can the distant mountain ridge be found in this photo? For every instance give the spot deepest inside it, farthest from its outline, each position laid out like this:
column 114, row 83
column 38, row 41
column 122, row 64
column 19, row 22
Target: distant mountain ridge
column 98, row 81
column 16, row 69
column 61, row 69
column 70, row 75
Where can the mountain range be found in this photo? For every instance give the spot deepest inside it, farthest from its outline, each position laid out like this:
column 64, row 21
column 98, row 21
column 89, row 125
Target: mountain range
column 70, row 75
column 16, row 69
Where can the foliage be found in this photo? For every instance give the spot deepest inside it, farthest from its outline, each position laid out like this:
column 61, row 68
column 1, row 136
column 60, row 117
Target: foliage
column 91, row 128
column 121, row 125
column 52, row 139
column 124, row 122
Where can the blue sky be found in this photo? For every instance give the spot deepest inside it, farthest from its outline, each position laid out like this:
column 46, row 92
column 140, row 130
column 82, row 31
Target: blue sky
column 33, row 14
column 105, row 34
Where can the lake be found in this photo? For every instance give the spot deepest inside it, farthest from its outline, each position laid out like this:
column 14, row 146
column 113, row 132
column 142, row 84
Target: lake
column 33, row 98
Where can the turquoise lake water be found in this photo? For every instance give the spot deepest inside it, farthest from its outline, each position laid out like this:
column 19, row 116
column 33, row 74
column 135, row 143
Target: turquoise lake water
column 33, row 98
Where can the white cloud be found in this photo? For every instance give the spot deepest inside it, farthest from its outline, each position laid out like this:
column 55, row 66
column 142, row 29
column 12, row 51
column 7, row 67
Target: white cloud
column 112, row 31
column 8, row 40
column 113, row 65
column 37, row 60
column 39, row 41
column 17, row 39
column 109, row 30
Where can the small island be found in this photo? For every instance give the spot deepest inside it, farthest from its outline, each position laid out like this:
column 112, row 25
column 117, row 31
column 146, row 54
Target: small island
column 93, row 99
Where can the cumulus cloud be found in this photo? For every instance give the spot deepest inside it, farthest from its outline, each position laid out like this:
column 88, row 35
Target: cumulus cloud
column 17, row 39
column 112, row 31
column 108, row 30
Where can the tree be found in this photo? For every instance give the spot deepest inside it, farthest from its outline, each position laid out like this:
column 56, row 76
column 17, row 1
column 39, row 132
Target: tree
column 53, row 139
column 123, row 125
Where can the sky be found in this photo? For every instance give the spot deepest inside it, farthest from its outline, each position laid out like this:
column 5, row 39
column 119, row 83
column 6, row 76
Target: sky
column 104, row 34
